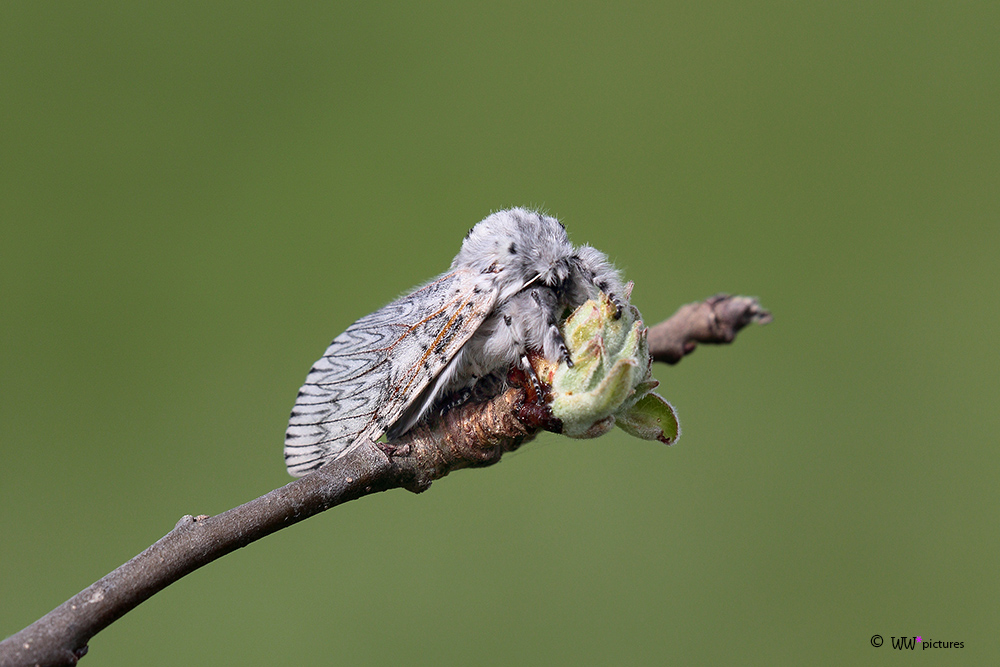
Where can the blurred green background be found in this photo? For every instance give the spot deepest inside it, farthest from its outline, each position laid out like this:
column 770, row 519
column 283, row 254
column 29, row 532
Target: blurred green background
column 196, row 198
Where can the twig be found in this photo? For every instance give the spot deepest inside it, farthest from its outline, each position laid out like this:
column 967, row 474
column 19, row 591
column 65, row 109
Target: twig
column 714, row 320
column 469, row 436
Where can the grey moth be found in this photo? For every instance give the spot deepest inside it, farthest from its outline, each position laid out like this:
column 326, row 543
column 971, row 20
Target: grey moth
column 513, row 279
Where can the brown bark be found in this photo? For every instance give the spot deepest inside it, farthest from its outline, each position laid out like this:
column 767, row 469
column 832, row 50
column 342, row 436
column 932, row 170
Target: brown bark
column 715, row 320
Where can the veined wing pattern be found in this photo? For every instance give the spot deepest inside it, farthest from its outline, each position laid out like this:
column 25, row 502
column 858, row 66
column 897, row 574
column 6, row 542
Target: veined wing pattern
column 373, row 371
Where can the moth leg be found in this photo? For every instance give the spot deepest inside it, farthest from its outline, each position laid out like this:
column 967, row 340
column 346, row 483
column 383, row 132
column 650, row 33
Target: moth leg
column 534, row 411
column 619, row 304
column 601, row 274
column 458, row 398
column 533, row 384
column 552, row 342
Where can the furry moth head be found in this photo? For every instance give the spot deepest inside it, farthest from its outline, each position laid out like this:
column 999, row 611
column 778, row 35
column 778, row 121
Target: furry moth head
column 519, row 247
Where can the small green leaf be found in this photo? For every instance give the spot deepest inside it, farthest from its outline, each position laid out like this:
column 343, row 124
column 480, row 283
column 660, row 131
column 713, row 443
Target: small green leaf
column 651, row 418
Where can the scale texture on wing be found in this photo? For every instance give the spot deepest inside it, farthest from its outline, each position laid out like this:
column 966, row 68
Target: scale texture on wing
column 373, row 371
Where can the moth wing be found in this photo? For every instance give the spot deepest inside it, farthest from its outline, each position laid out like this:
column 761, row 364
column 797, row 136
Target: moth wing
column 373, row 371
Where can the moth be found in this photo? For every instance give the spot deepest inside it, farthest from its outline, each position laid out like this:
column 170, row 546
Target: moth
column 514, row 278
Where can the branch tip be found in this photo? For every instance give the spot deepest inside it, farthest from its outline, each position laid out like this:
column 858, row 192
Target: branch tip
column 715, row 320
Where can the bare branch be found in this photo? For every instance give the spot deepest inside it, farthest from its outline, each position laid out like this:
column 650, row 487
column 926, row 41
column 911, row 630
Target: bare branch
column 471, row 435
column 60, row 637
column 714, row 320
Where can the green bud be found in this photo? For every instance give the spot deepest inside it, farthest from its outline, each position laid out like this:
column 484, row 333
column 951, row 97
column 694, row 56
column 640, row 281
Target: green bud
column 611, row 380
